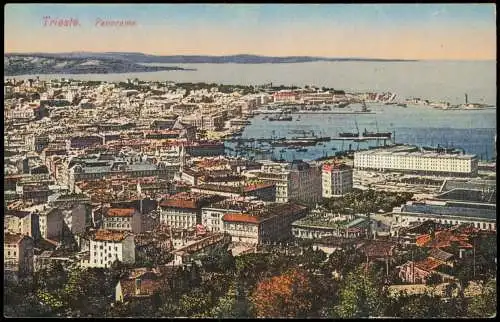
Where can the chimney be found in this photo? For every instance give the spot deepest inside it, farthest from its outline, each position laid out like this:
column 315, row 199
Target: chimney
column 138, row 286
column 466, row 99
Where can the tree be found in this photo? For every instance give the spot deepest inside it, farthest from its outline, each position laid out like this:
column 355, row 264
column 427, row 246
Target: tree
column 420, row 306
column 433, row 279
column 359, row 296
column 485, row 304
column 226, row 305
column 287, row 295
column 51, row 278
column 194, row 303
column 87, row 291
column 312, row 259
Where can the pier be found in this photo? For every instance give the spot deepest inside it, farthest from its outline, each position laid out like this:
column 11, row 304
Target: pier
column 313, row 140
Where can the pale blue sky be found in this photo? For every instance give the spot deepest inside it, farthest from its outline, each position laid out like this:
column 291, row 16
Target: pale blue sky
column 427, row 31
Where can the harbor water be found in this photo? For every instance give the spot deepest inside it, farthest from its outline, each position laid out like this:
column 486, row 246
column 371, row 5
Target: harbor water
column 473, row 131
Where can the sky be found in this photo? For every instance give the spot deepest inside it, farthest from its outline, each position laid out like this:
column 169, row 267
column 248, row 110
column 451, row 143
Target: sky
column 392, row 31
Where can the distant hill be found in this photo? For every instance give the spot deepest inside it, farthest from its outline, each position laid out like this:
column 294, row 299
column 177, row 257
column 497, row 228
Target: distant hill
column 201, row 59
column 26, row 64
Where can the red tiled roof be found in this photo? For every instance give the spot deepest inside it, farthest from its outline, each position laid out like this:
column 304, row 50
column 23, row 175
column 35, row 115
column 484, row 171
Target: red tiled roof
column 241, row 218
column 189, row 200
column 109, row 235
column 443, row 239
column 180, row 203
column 121, row 212
column 428, row 264
column 147, row 287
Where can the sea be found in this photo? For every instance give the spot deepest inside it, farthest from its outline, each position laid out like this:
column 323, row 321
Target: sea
column 473, row 131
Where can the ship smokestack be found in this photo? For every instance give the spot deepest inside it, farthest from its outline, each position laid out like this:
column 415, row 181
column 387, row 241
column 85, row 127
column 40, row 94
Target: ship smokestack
column 466, row 99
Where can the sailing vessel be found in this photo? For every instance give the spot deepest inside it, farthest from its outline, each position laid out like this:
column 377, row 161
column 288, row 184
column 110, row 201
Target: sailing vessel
column 364, row 108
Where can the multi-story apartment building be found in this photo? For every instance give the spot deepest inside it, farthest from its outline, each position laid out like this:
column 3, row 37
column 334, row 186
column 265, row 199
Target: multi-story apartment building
column 298, row 181
column 99, row 167
column 17, row 255
column 183, row 210
column 268, row 224
column 406, row 160
column 22, row 222
column 124, row 219
column 336, row 179
column 106, row 246
column 211, row 216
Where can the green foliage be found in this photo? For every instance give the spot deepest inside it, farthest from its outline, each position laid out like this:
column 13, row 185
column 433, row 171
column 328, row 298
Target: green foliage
column 433, row 279
column 225, row 306
column 51, row 278
column 344, row 260
column 366, row 201
column 485, row 304
column 359, row 296
column 88, row 291
column 312, row 259
column 219, row 259
column 195, row 302
column 420, row 306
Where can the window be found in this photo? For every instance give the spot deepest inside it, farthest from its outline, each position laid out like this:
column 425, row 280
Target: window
column 8, row 253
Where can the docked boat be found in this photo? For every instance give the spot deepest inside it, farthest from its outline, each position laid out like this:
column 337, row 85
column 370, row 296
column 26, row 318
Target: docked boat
column 301, row 150
column 386, row 135
column 402, row 105
column 280, row 118
column 294, row 143
column 348, row 135
column 340, row 104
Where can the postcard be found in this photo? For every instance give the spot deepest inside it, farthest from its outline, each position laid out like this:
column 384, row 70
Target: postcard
column 250, row 160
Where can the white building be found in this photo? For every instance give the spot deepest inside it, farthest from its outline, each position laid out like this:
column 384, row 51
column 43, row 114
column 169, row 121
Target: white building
column 126, row 219
column 106, row 246
column 336, row 179
column 482, row 216
column 211, row 216
column 183, row 210
column 297, row 181
column 463, row 165
column 268, row 224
